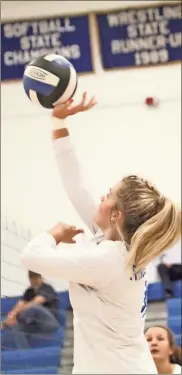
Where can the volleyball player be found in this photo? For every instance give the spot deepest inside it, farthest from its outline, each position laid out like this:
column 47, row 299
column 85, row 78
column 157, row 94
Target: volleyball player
column 108, row 285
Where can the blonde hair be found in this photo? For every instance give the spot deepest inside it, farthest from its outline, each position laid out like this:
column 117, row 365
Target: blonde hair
column 152, row 223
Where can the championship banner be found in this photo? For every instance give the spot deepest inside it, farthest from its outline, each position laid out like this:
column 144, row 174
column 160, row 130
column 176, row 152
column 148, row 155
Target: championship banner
column 144, row 36
column 24, row 41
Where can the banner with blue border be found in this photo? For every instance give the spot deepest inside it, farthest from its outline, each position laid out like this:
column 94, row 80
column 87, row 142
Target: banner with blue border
column 145, row 36
column 24, row 41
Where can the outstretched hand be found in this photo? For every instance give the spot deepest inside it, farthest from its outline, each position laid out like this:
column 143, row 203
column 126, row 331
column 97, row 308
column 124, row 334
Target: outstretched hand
column 62, row 111
column 64, row 233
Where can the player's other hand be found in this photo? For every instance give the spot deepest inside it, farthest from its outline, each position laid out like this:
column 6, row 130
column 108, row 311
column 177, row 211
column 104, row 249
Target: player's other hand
column 64, row 233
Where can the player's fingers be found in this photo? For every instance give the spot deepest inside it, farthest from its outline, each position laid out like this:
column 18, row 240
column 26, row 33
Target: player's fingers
column 73, row 226
column 78, row 231
column 68, row 103
column 84, row 99
column 92, row 102
column 83, row 105
column 75, row 109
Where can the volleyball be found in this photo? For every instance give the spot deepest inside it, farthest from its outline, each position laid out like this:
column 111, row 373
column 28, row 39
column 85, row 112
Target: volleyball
column 49, row 80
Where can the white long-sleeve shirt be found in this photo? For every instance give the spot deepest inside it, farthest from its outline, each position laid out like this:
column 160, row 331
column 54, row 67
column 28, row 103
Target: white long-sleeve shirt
column 177, row 369
column 109, row 302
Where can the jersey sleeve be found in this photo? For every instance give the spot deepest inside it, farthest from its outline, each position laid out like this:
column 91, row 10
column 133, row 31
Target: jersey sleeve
column 73, row 182
column 91, row 265
column 27, row 295
column 47, row 292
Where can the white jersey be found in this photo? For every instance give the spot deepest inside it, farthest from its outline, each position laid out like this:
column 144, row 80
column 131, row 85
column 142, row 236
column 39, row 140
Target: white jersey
column 109, row 301
column 177, row 369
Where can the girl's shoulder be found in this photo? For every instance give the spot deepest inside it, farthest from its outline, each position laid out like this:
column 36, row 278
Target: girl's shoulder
column 114, row 248
column 114, row 244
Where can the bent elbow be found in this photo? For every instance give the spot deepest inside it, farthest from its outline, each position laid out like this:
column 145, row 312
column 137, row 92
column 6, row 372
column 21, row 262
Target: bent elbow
column 27, row 260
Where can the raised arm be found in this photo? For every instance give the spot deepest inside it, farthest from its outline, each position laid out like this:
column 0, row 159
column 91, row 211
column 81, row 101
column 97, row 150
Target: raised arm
column 68, row 163
column 91, row 265
column 72, row 178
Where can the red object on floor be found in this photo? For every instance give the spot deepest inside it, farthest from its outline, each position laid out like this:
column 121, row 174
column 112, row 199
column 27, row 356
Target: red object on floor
column 151, row 102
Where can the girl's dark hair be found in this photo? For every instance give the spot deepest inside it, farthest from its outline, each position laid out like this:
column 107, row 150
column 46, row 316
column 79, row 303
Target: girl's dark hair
column 32, row 274
column 176, row 357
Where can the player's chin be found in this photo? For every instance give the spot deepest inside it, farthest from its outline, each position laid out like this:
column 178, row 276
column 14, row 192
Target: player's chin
column 156, row 354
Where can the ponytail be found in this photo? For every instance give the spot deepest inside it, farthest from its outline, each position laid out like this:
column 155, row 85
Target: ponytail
column 155, row 235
